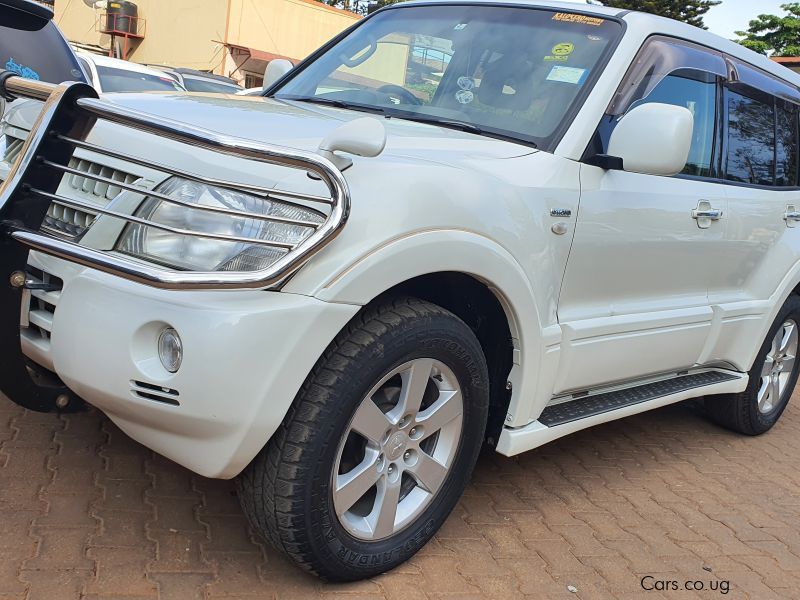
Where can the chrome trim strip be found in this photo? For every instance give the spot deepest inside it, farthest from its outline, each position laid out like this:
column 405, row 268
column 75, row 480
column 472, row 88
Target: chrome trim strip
column 134, row 219
column 154, row 275
column 165, row 198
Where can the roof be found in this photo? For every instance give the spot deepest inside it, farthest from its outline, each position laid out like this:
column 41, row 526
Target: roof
column 644, row 22
column 195, row 73
column 116, row 63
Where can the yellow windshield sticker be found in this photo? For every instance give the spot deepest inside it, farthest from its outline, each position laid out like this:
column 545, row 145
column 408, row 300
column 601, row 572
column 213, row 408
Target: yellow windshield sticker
column 563, row 49
column 560, row 52
column 579, row 19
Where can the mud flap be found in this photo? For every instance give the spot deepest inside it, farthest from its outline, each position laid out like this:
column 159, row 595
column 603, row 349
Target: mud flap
column 21, row 381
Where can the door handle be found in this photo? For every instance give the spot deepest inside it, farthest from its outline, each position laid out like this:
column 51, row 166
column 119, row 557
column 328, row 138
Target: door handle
column 714, row 214
column 791, row 216
column 704, row 214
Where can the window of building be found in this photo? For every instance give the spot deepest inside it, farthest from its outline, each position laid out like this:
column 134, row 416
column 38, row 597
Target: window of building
column 252, row 80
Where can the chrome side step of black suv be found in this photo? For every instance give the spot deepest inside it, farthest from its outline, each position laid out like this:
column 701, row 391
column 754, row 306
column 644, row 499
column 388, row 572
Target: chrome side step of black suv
column 591, row 405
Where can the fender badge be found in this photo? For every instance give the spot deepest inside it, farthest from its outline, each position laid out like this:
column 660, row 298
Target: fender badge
column 560, row 212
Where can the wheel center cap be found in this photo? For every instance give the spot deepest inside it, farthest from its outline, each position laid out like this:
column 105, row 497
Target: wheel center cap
column 396, row 445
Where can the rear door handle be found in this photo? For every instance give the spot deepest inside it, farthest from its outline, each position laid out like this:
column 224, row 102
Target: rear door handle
column 791, row 216
column 704, row 214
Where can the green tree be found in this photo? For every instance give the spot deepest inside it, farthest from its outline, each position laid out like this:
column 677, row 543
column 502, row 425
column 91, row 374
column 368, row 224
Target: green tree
column 771, row 34
column 689, row 11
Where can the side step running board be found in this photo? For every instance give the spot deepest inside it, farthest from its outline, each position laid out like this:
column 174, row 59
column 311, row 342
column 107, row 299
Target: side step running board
column 581, row 408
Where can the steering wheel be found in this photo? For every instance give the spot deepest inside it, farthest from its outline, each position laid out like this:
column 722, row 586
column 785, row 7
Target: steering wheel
column 395, row 90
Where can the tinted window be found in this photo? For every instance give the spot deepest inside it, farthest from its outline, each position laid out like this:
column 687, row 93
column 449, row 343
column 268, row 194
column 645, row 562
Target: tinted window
column 696, row 91
column 40, row 54
column 119, row 80
column 750, row 156
column 787, row 146
column 207, row 85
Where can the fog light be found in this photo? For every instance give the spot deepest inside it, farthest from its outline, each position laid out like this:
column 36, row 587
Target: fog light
column 170, row 349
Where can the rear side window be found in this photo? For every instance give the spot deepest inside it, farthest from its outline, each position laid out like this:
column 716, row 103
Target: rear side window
column 208, row 85
column 786, row 151
column 750, row 155
column 696, row 91
column 119, row 80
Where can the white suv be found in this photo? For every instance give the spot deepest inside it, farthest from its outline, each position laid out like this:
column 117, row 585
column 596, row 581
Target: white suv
column 455, row 223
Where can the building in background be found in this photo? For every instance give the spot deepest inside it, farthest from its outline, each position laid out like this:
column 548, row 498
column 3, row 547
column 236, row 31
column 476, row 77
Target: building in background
column 236, row 38
column 790, row 62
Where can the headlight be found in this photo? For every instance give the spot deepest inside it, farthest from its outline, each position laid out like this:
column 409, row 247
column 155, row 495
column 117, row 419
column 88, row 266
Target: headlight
column 193, row 253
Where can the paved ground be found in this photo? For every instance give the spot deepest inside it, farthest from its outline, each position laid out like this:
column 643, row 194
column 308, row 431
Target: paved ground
column 87, row 513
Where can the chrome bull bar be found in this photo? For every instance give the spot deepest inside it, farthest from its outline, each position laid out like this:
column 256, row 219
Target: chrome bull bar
column 70, row 111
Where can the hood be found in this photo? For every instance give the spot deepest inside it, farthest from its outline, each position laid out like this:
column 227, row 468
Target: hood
column 302, row 125
column 284, row 123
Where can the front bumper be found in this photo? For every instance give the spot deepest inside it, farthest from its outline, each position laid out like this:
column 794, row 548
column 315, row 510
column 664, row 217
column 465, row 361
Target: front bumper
column 246, row 355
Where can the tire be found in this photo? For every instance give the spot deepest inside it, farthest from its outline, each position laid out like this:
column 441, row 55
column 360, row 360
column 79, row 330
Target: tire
column 295, row 489
column 756, row 410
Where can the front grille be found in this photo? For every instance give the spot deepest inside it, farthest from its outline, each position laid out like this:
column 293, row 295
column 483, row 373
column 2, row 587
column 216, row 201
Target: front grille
column 67, row 221
column 38, row 310
column 103, row 191
column 70, row 222
column 13, row 149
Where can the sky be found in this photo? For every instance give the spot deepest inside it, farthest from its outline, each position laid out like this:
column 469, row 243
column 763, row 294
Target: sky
column 733, row 15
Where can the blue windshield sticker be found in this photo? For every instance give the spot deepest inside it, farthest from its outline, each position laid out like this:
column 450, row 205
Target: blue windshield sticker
column 21, row 70
column 568, row 74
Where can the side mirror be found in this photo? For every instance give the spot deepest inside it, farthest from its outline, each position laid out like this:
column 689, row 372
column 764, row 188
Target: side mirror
column 276, row 69
column 365, row 136
column 653, row 139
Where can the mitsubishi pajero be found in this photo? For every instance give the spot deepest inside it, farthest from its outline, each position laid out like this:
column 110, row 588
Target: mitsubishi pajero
column 457, row 223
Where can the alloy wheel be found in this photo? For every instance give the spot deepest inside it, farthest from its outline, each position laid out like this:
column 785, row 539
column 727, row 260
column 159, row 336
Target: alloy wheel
column 398, row 449
column 778, row 367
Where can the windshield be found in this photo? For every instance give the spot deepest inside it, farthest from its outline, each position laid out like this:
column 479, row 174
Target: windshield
column 207, row 85
column 515, row 72
column 120, row 80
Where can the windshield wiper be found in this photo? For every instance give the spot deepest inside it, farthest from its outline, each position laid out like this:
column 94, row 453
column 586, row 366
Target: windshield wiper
column 391, row 113
column 336, row 103
column 442, row 122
